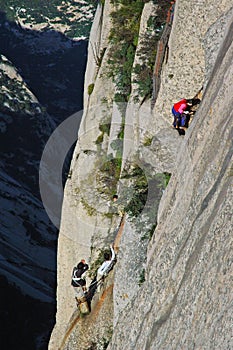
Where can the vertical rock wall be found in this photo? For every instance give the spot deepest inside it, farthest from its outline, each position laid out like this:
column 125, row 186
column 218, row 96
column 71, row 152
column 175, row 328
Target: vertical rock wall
column 85, row 225
column 186, row 301
column 185, row 273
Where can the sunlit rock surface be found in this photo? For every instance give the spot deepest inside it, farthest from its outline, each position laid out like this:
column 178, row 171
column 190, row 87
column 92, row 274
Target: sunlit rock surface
column 185, row 300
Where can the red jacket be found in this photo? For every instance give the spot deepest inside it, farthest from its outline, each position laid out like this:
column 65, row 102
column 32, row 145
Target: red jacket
column 180, row 106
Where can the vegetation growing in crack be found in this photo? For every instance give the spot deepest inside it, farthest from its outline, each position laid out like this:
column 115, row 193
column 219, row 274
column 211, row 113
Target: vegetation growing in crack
column 148, row 234
column 143, row 73
column 141, row 278
column 166, row 178
column 97, row 262
column 117, row 145
column 142, row 194
column 104, row 128
column 89, row 208
column 102, row 343
column 90, row 88
column 123, row 38
column 108, row 175
column 98, row 56
column 122, row 130
column 147, row 141
column 136, row 190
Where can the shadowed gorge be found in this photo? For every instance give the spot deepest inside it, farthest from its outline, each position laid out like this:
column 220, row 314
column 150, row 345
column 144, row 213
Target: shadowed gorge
column 42, row 76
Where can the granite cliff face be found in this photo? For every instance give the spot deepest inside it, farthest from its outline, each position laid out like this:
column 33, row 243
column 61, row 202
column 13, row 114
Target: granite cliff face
column 171, row 285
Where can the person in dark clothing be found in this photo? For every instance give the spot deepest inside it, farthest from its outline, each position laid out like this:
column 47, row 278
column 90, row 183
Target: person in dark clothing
column 78, row 275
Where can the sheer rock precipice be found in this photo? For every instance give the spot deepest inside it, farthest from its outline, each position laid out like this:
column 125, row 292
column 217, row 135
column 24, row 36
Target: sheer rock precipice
column 185, row 301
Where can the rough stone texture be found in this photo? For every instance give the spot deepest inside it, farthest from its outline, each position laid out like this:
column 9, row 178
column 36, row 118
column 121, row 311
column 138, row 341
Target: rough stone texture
column 7, row 68
column 184, row 73
column 213, row 39
column 85, row 227
column 158, row 157
column 127, row 278
column 142, row 125
column 185, row 301
column 141, row 122
column 84, row 332
column 96, row 61
column 149, row 11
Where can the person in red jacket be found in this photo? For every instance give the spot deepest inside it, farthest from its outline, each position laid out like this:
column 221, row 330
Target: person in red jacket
column 180, row 108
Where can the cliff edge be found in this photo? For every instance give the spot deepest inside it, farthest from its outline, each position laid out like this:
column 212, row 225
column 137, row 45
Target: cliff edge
column 171, row 285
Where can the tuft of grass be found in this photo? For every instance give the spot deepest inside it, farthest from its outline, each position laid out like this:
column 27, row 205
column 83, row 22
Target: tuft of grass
column 148, row 235
column 121, row 132
column 108, row 175
column 147, row 141
column 139, row 188
column 166, row 177
column 99, row 139
column 117, row 145
column 105, row 129
column 89, row 209
column 141, row 278
column 90, row 89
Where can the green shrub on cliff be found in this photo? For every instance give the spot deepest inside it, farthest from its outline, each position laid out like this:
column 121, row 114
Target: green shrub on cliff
column 124, row 37
column 90, row 89
column 143, row 73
